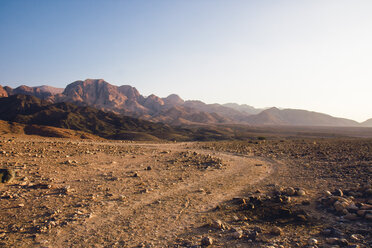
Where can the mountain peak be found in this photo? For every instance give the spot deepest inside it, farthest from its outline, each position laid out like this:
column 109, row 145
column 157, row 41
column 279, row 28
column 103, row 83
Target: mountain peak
column 173, row 99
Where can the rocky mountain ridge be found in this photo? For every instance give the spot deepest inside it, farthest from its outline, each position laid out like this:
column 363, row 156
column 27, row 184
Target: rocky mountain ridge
column 31, row 110
column 126, row 100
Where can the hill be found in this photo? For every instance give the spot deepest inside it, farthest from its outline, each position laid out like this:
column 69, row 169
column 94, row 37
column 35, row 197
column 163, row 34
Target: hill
column 367, row 123
column 31, row 110
column 296, row 117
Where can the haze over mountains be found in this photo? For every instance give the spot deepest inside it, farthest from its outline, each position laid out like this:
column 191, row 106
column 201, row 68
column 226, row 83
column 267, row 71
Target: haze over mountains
column 126, row 100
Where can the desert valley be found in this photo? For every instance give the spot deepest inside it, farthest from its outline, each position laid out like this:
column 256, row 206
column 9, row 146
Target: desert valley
column 99, row 165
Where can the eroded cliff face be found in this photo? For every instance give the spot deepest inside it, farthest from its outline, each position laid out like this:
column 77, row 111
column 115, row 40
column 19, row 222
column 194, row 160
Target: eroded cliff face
column 3, row 92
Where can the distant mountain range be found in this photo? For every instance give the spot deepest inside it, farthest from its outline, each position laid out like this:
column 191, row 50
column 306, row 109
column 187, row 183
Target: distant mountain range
column 126, row 100
column 367, row 123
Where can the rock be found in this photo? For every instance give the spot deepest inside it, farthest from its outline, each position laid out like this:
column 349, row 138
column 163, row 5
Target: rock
column 352, row 207
column 340, row 206
column 148, row 168
column 306, row 203
column 6, row 175
column 357, row 237
column 338, row 192
column 277, row 231
column 235, row 218
column 66, row 189
column 300, row 192
column 206, row 241
column 240, row 200
column 290, row 191
column 312, row 241
column 343, row 242
column 351, row 216
column 328, row 193
column 238, row 234
column 365, row 206
column 143, row 191
column 218, row 224
column 332, row 241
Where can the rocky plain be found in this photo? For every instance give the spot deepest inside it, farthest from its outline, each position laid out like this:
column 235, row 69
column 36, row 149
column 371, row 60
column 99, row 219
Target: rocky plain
column 262, row 192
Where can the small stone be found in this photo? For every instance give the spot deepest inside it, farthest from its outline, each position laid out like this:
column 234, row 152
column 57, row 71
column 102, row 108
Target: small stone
column 340, row 206
column 305, row 203
column 218, row 224
column 332, row 241
column 66, row 189
column 238, row 234
column 6, row 175
column 290, row 191
column 206, row 241
column 148, row 168
column 338, row 192
column 312, row 241
column 277, row 231
column 351, row 216
column 343, row 242
column 328, row 193
column 240, row 200
column 235, row 218
column 357, row 237
column 300, row 192
column 365, row 207
column 143, row 191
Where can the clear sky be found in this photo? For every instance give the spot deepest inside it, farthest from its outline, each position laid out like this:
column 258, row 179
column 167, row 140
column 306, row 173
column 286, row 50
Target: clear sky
column 314, row 55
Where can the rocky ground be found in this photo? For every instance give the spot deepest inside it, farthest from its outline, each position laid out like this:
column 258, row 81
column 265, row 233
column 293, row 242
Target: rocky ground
column 259, row 193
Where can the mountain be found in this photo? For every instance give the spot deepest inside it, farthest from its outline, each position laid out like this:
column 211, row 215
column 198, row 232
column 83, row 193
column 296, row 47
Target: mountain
column 43, row 92
column 28, row 109
column 367, row 123
column 125, row 100
column 229, row 115
column 3, row 92
column 244, row 108
column 296, row 117
column 181, row 115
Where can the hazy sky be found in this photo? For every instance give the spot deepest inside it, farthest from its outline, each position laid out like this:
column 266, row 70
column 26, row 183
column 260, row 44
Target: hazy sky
column 314, row 55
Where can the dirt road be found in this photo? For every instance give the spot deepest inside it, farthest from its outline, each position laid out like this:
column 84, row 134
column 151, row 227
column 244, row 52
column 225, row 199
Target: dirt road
column 114, row 194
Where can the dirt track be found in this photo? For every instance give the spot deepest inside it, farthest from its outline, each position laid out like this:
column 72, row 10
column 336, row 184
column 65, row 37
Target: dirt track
column 112, row 198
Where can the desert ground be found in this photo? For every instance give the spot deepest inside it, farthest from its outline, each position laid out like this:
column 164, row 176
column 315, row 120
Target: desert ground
column 276, row 192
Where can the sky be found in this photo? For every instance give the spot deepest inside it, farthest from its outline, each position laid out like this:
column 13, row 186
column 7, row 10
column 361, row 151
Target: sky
column 314, row 55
